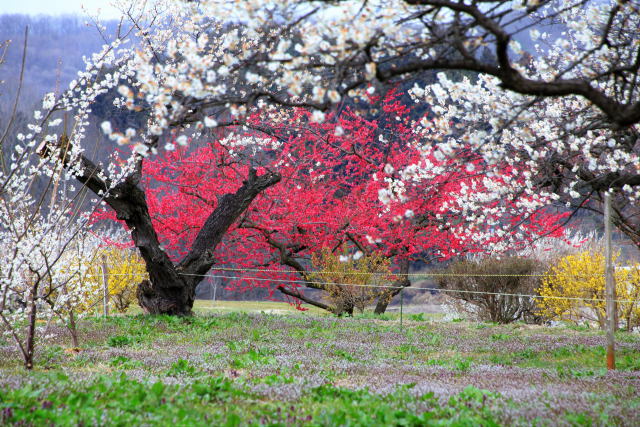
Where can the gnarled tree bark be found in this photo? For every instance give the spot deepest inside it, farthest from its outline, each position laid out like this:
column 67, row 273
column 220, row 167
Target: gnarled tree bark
column 171, row 287
column 397, row 286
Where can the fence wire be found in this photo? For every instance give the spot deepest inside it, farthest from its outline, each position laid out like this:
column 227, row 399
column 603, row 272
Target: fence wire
column 431, row 289
column 356, row 273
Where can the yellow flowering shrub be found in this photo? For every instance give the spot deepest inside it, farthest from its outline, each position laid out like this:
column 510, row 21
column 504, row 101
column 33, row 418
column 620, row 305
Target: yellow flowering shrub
column 354, row 274
column 629, row 291
column 125, row 269
column 76, row 293
column 574, row 290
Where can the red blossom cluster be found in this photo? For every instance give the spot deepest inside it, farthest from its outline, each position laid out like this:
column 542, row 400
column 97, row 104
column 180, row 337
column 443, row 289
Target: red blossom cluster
column 344, row 182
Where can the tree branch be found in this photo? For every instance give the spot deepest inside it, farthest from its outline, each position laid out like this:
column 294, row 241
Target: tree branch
column 200, row 258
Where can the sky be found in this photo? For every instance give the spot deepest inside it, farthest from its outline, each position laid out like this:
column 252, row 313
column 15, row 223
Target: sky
column 58, row 7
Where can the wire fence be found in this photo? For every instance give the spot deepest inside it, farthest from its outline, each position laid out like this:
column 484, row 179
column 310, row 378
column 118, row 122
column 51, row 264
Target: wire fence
column 401, row 289
column 389, row 286
column 356, row 273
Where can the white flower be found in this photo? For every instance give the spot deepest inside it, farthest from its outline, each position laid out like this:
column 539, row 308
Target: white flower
column 370, row 71
column 169, row 146
column 417, row 91
column 384, row 195
column 106, row 127
column 317, row 116
column 125, row 91
column 203, row 40
column 388, row 169
column 338, row 131
column 334, row 96
column 318, row 93
column 210, row 123
column 535, row 34
column 357, row 255
column 48, row 101
column 409, row 213
column 181, row 140
column 141, row 149
column 252, row 78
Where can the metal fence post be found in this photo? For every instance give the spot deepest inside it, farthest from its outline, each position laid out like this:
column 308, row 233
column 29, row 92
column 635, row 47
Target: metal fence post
column 401, row 305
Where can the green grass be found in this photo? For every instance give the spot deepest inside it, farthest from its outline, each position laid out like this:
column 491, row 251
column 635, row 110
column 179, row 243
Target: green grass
column 117, row 400
column 209, row 306
column 205, row 306
column 237, row 367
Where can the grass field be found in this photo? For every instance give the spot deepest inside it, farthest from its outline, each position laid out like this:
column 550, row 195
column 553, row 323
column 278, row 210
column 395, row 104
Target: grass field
column 263, row 364
column 204, row 307
column 270, row 307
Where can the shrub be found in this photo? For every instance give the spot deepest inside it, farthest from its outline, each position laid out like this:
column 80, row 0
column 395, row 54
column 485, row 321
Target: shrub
column 581, row 277
column 125, row 270
column 346, row 279
column 509, row 275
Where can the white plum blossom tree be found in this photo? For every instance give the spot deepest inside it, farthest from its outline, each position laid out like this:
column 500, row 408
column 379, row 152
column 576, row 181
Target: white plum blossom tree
column 193, row 67
column 39, row 228
column 43, row 224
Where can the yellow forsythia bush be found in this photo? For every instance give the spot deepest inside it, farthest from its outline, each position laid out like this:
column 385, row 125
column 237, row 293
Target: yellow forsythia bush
column 125, row 270
column 353, row 273
column 582, row 276
column 629, row 312
column 80, row 293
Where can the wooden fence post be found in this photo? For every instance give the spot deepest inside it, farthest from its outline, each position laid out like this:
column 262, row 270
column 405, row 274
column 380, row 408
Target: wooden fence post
column 105, row 286
column 610, row 285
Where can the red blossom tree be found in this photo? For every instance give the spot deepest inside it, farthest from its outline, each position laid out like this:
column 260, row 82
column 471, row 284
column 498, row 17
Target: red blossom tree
column 340, row 188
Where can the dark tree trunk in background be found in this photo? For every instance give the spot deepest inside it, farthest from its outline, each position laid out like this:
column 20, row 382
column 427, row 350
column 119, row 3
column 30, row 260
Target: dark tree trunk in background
column 171, row 288
column 387, row 296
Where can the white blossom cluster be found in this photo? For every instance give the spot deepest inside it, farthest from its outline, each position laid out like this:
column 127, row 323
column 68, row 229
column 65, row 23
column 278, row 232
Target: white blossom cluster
column 207, row 63
column 44, row 254
column 536, row 140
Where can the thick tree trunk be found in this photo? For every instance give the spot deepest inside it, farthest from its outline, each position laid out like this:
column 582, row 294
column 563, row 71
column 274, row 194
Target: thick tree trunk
column 166, row 297
column 402, row 282
column 166, row 292
column 170, row 288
